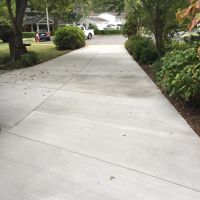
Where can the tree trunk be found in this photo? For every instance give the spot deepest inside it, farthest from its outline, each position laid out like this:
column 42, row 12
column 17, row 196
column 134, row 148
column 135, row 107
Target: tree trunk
column 158, row 33
column 17, row 48
column 159, row 43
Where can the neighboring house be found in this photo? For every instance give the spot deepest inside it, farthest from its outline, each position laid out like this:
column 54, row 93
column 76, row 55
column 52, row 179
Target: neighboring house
column 92, row 19
column 103, row 19
column 113, row 17
column 36, row 23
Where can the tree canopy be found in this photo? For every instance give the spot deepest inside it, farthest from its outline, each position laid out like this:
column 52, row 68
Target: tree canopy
column 108, row 5
column 159, row 16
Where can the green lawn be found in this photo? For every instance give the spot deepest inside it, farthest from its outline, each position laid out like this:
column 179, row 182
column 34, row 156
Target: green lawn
column 45, row 51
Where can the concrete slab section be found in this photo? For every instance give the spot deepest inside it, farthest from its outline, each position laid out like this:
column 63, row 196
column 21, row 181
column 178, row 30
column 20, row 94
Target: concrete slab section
column 31, row 171
column 124, row 85
column 154, row 113
column 106, row 39
column 112, row 61
column 161, row 156
column 52, row 74
column 18, row 101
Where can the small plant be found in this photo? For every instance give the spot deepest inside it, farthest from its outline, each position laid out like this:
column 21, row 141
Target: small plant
column 29, row 59
column 69, row 37
column 28, row 34
column 180, row 74
column 5, row 33
column 109, row 32
column 95, row 28
column 142, row 49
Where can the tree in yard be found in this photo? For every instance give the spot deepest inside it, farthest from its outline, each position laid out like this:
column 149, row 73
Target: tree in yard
column 16, row 11
column 192, row 13
column 4, row 22
column 108, row 5
column 158, row 16
column 60, row 9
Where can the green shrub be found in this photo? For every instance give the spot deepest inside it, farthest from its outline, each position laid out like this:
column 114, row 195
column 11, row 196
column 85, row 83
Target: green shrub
column 142, row 49
column 186, row 84
column 4, row 33
column 180, row 74
column 29, row 59
column 28, row 34
column 109, row 32
column 95, row 28
column 130, row 27
column 148, row 55
column 157, row 65
column 69, row 37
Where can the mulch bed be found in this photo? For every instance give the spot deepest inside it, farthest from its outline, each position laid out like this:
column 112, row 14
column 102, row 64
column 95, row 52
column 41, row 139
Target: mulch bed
column 191, row 114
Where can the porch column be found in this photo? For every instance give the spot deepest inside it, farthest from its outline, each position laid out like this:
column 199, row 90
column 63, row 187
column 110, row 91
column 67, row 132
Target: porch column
column 38, row 28
column 32, row 30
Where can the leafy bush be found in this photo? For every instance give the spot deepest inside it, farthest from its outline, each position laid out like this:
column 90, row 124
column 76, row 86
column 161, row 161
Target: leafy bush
column 157, row 65
column 95, row 28
column 180, row 74
column 69, row 37
column 4, row 33
column 28, row 34
column 186, row 83
column 109, row 32
column 131, row 25
column 142, row 49
column 29, row 59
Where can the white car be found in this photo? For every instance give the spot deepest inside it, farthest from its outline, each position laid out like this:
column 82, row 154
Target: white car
column 112, row 27
column 89, row 33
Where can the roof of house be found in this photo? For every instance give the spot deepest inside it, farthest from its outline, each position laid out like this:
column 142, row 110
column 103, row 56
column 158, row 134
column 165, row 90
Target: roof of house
column 30, row 20
column 96, row 18
column 113, row 13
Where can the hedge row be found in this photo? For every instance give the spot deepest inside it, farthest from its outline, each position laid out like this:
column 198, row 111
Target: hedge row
column 107, row 32
column 28, row 34
column 142, row 49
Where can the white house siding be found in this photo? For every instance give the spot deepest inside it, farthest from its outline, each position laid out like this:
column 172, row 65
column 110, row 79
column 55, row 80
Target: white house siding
column 101, row 24
column 112, row 18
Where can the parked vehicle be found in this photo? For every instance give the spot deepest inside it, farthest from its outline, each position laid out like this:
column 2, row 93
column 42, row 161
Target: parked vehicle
column 42, row 35
column 112, row 27
column 89, row 33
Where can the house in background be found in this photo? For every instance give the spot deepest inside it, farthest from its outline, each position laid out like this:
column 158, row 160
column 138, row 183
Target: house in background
column 36, row 23
column 101, row 20
column 113, row 17
column 94, row 19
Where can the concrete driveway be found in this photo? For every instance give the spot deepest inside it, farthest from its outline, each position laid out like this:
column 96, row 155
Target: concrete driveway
column 91, row 125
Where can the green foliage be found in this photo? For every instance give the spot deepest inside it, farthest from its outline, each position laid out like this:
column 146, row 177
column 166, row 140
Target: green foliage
column 95, row 28
column 180, row 74
column 158, row 16
column 130, row 27
column 186, row 83
column 4, row 32
column 142, row 49
column 28, row 34
column 4, row 17
column 109, row 32
column 61, row 9
column 69, row 37
column 108, row 5
column 157, row 65
column 29, row 59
